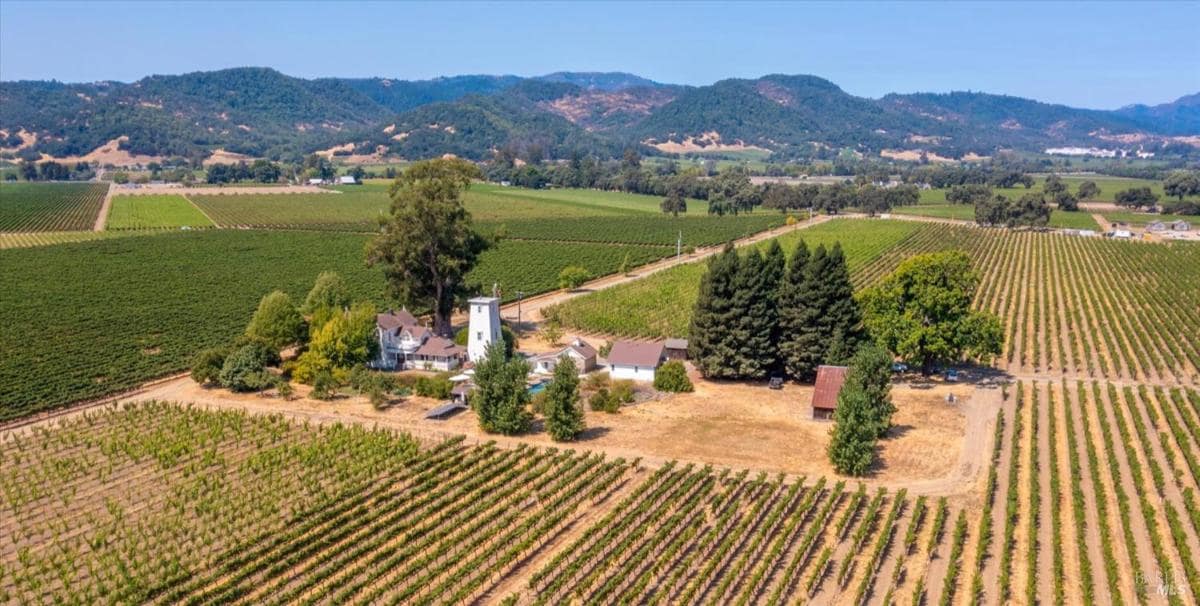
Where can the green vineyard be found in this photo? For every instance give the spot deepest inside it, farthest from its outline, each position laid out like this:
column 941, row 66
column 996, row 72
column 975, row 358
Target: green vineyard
column 50, row 207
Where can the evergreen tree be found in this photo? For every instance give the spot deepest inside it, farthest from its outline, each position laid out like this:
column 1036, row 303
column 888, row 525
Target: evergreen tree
column 794, row 314
column 852, row 446
column 806, row 339
column 755, row 320
column 841, row 318
column 500, row 398
column 564, row 416
column 775, row 266
column 714, row 315
column 871, row 373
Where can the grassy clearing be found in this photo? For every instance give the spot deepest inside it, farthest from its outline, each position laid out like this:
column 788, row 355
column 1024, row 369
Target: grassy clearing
column 1109, row 186
column 154, row 212
column 1134, row 218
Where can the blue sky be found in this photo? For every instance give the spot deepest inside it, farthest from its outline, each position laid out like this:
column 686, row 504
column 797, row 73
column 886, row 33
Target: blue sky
column 1100, row 55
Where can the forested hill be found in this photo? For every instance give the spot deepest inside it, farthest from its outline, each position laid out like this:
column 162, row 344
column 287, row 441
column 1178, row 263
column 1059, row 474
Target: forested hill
column 261, row 112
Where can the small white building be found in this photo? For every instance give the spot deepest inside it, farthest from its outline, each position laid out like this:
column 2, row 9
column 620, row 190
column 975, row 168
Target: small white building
column 316, row 181
column 1180, row 225
column 483, row 327
column 1123, row 234
column 578, row 350
column 637, row 360
column 347, row 180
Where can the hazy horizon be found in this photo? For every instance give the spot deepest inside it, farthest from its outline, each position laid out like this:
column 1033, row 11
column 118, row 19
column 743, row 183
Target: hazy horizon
column 1089, row 55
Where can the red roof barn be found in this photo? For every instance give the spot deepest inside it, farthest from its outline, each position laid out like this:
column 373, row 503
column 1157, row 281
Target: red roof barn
column 825, row 394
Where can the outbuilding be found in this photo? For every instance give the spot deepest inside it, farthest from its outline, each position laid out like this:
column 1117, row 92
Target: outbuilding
column 636, row 360
column 347, row 180
column 825, row 394
column 676, row 349
column 583, row 354
column 1180, row 225
column 438, row 353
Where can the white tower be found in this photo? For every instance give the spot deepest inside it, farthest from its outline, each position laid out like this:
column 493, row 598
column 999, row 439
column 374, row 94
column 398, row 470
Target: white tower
column 483, row 327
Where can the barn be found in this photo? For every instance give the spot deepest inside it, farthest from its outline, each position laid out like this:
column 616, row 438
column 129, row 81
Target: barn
column 825, row 394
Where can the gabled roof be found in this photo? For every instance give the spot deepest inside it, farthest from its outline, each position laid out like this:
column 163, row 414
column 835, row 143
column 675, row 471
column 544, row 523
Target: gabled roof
column 636, row 353
column 829, row 383
column 440, row 347
column 395, row 319
column 416, row 333
column 676, row 344
column 582, row 348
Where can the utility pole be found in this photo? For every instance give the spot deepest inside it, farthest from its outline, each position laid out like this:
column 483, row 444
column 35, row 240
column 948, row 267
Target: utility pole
column 520, row 295
column 679, row 244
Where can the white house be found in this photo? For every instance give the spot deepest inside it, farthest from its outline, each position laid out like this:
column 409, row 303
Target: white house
column 584, row 356
column 483, row 326
column 1124, row 234
column 347, row 180
column 400, row 336
column 637, row 360
column 316, row 181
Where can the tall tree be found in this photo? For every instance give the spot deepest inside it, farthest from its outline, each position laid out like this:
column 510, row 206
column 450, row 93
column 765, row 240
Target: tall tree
column 1136, row 197
column 329, row 291
column 674, row 203
column 426, row 246
column 795, row 314
column 1182, row 183
column 922, row 312
column 852, row 441
column 277, row 321
column 755, row 321
column 1088, row 190
column 871, row 372
column 564, row 415
column 1054, row 185
column 840, row 314
column 500, row 397
column 713, row 315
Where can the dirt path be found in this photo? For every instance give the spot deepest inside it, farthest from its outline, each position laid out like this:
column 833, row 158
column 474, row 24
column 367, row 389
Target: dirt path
column 1102, row 222
column 102, row 218
column 531, row 308
column 197, row 207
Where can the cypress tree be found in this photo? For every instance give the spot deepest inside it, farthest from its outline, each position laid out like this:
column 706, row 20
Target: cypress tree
column 871, row 373
column 755, row 319
column 564, row 416
column 852, row 445
column 841, row 316
column 775, row 266
column 709, row 336
column 500, row 396
column 807, row 341
column 792, row 314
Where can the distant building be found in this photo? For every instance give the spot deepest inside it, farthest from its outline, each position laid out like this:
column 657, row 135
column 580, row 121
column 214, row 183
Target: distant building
column 347, row 180
column 637, row 360
column 1180, row 225
column 316, row 181
column 825, row 394
column 1156, row 226
column 1124, row 234
column 578, row 350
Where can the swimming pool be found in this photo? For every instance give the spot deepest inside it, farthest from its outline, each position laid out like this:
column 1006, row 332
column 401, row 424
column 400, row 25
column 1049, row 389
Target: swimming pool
column 535, row 388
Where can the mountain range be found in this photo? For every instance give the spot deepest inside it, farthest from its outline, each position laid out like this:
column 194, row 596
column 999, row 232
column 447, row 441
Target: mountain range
column 260, row 112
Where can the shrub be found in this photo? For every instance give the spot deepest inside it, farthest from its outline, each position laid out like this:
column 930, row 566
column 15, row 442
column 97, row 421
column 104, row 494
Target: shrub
column 324, row 385
column 603, row 401
column 283, row 387
column 277, row 321
column 596, row 381
column 433, row 387
column 622, row 391
column 572, row 277
column 206, row 367
column 672, row 377
column 245, row 370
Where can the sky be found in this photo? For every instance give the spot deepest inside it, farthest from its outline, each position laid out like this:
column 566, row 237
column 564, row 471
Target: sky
column 1096, row 55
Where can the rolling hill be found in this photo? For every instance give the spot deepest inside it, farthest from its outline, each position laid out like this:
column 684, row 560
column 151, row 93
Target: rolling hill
column 261, row 112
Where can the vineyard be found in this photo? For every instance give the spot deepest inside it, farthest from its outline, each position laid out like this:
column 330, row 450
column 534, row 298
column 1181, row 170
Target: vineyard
column 47, row 238
column 50, row 207
column 142, row 306
column 154, row 212
column 966, row 212
column 1086, row 307
column 157, row 503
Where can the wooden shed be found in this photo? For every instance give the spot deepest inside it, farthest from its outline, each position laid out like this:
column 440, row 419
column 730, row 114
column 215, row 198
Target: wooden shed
column 825, row 394
column 676, row 349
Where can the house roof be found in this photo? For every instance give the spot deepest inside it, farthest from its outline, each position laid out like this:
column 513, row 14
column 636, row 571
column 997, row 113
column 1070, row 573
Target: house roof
column 676, row 344
column 395, row 319
column 440, row 347
column 636, row 353
column 829, row 383
column 579, row 346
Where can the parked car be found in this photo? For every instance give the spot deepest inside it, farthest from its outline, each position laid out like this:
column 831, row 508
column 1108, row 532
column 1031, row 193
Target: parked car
column 952, row 375
column 776, row 383
column 899, row 367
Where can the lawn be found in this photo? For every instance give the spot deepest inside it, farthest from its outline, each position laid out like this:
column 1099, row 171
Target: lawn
column 154, row 212
column 89, row 319
column 661, row 305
